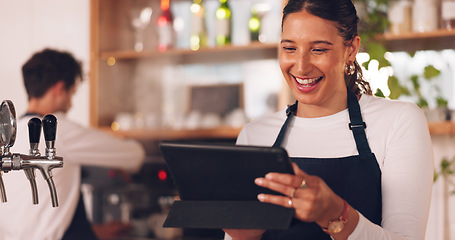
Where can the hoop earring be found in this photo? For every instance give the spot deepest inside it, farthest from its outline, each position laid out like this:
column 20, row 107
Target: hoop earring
column 349, row 69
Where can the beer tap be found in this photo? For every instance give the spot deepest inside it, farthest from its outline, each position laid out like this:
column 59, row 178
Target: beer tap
column 50, row 130
column 44, row 163
column 34, row 133
column 28, row 162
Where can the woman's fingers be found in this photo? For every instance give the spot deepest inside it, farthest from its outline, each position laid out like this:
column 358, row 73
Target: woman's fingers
column 277, row 200
column 297, row 170
column 307, row 206
column 289, row 179
column 275, row 186
column 304, row 209
column 285, row 183
column 309, row 195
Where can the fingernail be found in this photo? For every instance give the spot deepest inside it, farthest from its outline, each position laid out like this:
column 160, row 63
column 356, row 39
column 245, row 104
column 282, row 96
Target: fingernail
column 259, row 181
column 268, row 176
column 261, row 197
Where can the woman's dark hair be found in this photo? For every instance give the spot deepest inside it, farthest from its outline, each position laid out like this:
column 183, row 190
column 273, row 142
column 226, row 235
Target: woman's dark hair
column 343, row 13
column 44, row 69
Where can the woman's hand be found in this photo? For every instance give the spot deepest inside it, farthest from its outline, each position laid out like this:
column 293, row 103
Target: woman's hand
column 245, row 234
column 312, row 199
column 111, row 230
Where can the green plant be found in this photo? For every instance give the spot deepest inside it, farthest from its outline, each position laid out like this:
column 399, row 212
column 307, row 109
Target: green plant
column 428, row 75
column 396, row 89
column 372, row 25
column 446, row 171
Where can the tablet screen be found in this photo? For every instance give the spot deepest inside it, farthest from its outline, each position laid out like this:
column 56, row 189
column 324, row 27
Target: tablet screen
column 222, row 172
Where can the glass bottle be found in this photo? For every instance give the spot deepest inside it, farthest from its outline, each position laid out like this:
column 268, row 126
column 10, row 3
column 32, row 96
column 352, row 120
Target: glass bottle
column 448, row 14
column 140, row 19
column 223, row 24
column 198, row 31
column 254, row 25
column 259, row 11
column 165, row 27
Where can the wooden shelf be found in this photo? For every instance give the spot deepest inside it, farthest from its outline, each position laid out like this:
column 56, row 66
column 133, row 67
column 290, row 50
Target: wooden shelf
column 436, row 129
column 436, row 40
column 254, row 50
column 411, row 42
column 441, row 128
column 423, row 35
column 172, row 134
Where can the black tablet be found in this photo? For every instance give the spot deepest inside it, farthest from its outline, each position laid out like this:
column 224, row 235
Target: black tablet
column 222, row 172
column 217, row 189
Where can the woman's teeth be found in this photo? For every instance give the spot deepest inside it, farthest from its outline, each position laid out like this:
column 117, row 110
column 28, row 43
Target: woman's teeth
column 307, row 81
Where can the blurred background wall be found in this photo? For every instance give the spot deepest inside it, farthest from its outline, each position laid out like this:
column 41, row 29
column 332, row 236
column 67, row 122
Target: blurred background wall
column 28, row 26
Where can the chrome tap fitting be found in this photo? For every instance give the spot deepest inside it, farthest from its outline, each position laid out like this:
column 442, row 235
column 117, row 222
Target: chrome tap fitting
column 28, row 163
column 34, row 133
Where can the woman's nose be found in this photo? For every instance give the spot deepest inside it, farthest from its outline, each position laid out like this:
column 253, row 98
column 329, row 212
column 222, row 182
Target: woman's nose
column 303, row 64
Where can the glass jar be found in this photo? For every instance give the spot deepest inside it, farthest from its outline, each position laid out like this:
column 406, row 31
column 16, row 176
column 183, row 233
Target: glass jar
column 400, row 16
column 424, row 16
column 448, row 14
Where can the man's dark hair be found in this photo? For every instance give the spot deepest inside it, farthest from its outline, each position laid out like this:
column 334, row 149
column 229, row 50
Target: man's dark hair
column 44, row 69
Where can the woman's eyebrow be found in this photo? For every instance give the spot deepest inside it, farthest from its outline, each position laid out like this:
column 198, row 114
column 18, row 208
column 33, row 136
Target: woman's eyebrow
column 322, row 41
column 287, row 41
column 314, row 42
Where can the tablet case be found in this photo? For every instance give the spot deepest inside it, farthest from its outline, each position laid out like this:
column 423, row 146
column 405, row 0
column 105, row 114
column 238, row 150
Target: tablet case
column 217, row 189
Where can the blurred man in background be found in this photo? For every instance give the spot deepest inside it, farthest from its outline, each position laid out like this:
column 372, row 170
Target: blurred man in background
column 51, row 78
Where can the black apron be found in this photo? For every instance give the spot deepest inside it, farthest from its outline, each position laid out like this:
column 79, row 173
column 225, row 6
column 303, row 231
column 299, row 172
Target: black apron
column 80, row 227
column 356, row 179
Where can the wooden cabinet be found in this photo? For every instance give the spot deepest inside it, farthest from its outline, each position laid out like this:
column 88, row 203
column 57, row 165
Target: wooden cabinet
column 116, row 76
column 122, row 78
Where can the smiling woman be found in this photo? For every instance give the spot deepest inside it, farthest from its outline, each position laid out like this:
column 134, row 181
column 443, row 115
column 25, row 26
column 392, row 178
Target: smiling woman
column 313, row 63
column 350, row 180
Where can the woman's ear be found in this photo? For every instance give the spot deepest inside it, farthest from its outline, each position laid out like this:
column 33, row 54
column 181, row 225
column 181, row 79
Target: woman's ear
column 353, row 49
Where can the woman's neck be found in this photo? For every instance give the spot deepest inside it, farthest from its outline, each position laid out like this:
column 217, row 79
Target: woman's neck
column 335, row 104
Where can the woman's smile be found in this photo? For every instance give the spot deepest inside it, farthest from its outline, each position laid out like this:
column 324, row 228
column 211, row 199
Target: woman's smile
column 307, row 84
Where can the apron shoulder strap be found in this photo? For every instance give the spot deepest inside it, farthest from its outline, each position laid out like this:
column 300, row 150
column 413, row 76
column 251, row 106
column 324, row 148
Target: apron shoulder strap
column 357, row 125
column 289, row 112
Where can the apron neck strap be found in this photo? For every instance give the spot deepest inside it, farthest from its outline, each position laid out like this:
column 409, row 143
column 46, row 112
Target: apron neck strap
column 290, row 111
column 356, row 125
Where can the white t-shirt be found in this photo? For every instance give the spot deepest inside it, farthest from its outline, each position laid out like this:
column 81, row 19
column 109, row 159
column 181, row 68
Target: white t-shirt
column 397, row 133
column 78, row 145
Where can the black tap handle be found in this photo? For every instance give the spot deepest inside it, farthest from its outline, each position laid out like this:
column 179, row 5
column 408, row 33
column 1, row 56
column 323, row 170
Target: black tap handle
column 34, row 130
column 49, row 127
